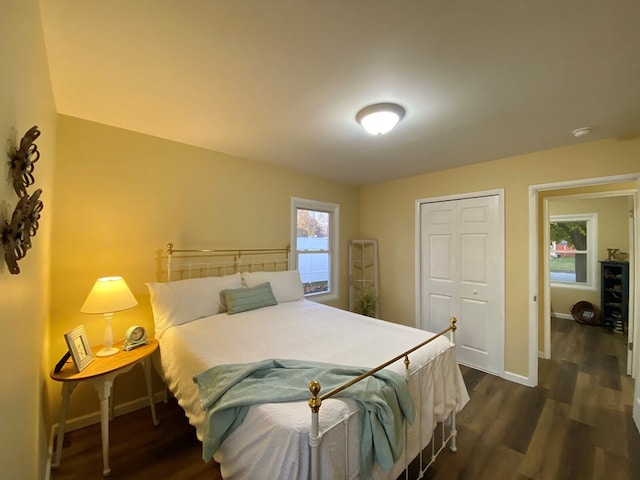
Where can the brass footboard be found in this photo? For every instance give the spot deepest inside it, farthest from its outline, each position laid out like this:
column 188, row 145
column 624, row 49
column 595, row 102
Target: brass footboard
column 315, row 401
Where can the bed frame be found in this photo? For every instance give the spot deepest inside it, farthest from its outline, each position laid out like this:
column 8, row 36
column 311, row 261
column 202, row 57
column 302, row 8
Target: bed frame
column 448, row 436
column 198, row 263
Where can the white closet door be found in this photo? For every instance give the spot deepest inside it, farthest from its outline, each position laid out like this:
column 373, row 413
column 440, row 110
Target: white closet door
column 462, row 261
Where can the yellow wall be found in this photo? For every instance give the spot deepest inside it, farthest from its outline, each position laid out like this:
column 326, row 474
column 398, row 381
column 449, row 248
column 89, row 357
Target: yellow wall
column 613, row 232
column 121, row 196
column 388, row 214
column 25, row 100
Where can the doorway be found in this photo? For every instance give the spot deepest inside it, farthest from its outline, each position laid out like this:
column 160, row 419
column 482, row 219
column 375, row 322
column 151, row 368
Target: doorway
column 605, row 216
column 537, row 285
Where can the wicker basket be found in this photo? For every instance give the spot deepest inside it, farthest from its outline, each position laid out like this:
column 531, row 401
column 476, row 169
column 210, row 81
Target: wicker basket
column 586, row 312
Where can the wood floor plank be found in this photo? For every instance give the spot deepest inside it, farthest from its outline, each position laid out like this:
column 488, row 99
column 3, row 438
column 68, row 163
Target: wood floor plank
column 564, row 378
column 502, row 464
column 472, row 377
column 616, row 467
column 610, row 428
column 462, row 464
column 633, row 444
column 138, row 450
column 610, row 399
column 585, row 399
column 610, row 372
column 543, row 455
column 577, row 452
column 599, row 468
column 627, row 389
column 487, row 403
column 524, row 407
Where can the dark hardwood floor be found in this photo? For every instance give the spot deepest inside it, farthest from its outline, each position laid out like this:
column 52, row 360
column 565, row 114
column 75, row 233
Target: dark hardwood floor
column 575, row 425
column 137, row 449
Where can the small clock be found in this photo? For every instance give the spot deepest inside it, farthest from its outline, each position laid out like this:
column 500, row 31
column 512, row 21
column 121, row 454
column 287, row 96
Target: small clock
column 135, row 336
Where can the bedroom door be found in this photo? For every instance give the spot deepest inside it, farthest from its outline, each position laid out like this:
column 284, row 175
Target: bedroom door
column 462, row 275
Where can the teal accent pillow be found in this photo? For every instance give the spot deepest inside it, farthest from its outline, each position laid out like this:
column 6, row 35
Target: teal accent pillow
column 244, row 299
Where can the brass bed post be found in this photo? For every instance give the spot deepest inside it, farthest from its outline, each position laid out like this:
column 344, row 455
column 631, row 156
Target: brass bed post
column 169, row 260
column 237, row 261
column 454, row 432
column 314, row 437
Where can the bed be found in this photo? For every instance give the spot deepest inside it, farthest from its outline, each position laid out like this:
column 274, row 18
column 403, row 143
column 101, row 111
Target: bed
column 214, row 313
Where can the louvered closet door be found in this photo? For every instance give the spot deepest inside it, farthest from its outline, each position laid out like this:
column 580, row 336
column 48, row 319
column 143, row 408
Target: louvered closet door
column 461, row 264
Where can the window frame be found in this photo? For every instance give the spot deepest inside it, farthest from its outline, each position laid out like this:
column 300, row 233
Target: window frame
column 591, row 220
column 333, row 210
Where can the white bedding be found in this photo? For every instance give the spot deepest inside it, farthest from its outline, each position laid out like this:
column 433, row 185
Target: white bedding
column 273, row 440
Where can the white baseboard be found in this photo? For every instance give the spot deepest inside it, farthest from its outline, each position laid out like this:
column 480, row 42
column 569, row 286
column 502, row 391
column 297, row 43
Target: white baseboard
column 92, row 418
column 512, row 377
column 521, row 379
column 47, row 467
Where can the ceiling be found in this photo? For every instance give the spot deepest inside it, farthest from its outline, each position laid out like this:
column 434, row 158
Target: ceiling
column 281, row 81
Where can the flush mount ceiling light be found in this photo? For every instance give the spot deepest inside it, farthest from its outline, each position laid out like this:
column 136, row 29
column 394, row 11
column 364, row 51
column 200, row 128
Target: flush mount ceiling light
column 380, row 118
column 581, row 132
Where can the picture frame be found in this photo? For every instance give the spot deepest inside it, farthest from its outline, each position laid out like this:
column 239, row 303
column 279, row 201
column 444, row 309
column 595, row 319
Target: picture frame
column 79, row 347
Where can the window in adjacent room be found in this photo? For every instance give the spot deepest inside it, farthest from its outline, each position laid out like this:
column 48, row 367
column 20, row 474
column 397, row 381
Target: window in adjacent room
column 572, row 250
column 314, row 246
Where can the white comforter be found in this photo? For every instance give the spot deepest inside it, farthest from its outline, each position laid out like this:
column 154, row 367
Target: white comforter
column 273, row 440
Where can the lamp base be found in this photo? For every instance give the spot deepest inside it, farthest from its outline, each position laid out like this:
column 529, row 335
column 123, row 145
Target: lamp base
column 107, row 352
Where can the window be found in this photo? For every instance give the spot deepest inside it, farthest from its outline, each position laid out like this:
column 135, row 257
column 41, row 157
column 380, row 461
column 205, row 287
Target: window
column 314, row 232
column 572, row 250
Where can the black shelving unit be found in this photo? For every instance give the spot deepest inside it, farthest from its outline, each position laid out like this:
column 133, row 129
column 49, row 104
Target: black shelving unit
column 614, row 295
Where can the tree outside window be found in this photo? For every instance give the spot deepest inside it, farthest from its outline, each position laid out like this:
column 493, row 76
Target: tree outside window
column 572, row 250
column 312, row 246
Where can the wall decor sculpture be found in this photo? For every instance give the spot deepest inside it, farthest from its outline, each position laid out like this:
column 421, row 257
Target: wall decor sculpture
column 23, row 225
column 22, row 161
column 17, row 233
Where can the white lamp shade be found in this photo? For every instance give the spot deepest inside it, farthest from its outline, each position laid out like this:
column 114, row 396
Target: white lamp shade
column 380, row 118
column 109, row 295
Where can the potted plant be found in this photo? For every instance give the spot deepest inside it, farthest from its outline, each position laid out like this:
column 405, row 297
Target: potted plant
column 368, row 302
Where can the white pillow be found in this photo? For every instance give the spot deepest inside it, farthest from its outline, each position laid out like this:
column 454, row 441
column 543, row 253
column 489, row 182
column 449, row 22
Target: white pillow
column 286, row 285
column 182, row 301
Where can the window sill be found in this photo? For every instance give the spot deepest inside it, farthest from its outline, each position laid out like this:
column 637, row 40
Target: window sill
column 321, row 297
column 573, row 286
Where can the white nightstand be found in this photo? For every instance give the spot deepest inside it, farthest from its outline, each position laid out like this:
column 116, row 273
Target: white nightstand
column 101, row 374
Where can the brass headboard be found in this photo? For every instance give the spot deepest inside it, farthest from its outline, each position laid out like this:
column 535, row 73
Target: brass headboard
column 190, row 263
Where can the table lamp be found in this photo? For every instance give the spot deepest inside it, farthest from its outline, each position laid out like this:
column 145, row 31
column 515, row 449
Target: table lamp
column 108, row 295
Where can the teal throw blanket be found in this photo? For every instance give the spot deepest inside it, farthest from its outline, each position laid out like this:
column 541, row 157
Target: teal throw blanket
column 227, row 391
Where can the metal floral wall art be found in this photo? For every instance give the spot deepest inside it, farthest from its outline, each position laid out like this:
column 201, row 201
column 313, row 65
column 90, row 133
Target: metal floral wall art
column 17, row 232
column 22, row 161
